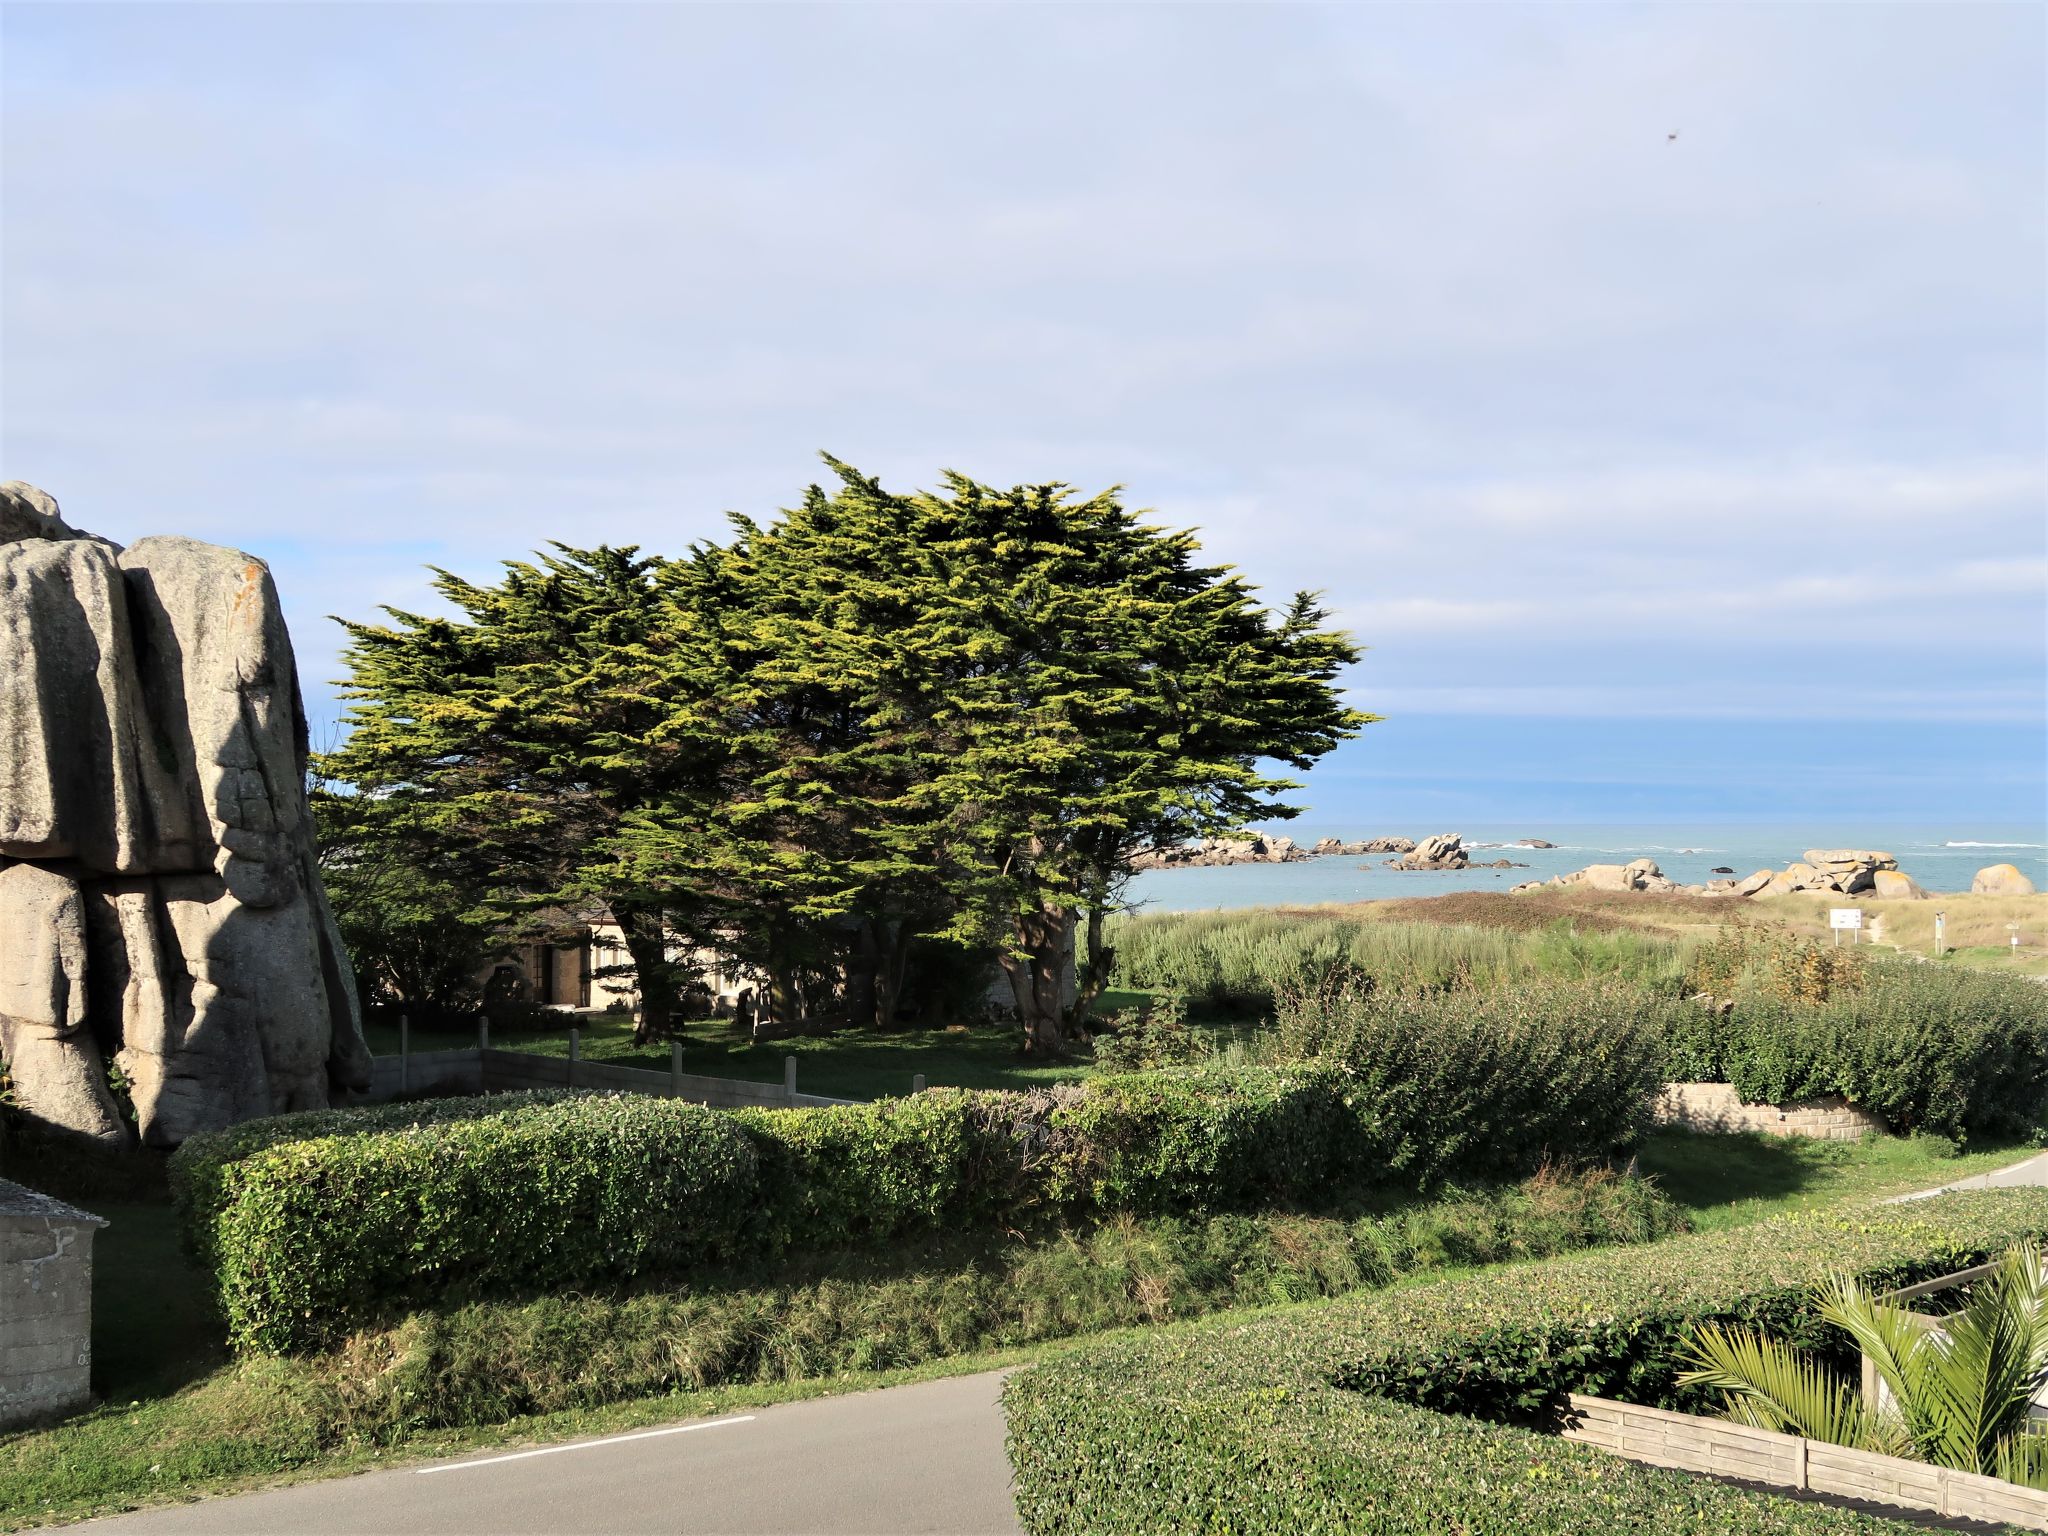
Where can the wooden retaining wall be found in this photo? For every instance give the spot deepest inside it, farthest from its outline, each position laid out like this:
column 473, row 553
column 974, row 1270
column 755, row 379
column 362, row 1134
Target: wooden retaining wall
column 486, row 1070
column 1718, row 1448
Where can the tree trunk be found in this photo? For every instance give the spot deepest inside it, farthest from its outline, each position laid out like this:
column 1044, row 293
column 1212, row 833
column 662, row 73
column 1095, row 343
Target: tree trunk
column 1038, row 979
column 1093, row 973
column 863, row 966
column 891, row 972
column 647, row 942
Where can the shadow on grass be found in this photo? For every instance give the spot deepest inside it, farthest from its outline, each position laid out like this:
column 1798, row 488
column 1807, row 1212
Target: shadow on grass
column 1699, row 1170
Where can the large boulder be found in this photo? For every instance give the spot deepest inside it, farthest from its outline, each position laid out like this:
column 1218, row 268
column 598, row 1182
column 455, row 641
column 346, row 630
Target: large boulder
column 1893, row 885
column 1443, row 850
column 2001, row 880
column 45, row 1026
column 152, row 773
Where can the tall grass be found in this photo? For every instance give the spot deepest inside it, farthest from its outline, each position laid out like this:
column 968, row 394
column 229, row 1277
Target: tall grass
column 1242, row 961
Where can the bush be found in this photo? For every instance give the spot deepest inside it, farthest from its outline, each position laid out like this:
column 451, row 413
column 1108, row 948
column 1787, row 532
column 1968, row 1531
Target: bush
column 308, row 1230
column 1157, row 1035
column 1480, row 1083
column 1321, row 1419
column 308, row 1234
column 1955, row 1053
column 1245, row 960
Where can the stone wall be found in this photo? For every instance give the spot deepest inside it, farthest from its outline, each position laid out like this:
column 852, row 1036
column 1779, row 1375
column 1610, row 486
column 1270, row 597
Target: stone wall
column 45, row 1306
column 1716, row 1107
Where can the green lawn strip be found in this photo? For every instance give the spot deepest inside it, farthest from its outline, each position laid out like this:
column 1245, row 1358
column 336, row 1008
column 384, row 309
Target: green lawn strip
column 851, row 1064
column 1732, row 1180
column 1361, row 1414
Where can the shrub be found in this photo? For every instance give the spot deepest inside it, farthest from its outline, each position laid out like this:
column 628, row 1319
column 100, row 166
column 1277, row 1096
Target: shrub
column 1954, row 1053
column 307, row 1234
column 1157, row 1035
column 1320, row 1419
column 308, row 1229
column 1479, row 1083
column 1246, row 960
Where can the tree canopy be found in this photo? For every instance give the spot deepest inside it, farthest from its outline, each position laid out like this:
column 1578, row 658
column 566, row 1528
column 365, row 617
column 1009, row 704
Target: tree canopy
column 875, row 725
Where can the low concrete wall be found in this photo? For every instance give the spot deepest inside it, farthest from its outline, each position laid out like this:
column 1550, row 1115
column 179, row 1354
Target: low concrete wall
column 1717, row 1107
column 1721, row 1449
column 45, row 1306
column 474, row 1070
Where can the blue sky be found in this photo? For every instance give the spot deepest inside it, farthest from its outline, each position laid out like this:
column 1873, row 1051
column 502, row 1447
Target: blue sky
column 1663, row 478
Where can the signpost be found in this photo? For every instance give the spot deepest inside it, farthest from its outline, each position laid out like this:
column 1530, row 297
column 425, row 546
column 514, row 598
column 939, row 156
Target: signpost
column 1939, row 918
column 1850, row 918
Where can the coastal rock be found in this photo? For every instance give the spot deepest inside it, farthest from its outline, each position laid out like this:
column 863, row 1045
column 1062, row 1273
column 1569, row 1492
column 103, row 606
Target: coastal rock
column 1532, row 842
column 1750, row 885
column 1850, row 858
column 2001, row 880
column 152, row 771
column 1892, row 885
column 58, row 1073
column 1636, row 875
column 1211, row 852
column 29, row 513
column 1443, row 850
column 1720, row 869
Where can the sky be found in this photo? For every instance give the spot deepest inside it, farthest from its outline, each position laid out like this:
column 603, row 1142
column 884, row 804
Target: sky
column 1659, row 393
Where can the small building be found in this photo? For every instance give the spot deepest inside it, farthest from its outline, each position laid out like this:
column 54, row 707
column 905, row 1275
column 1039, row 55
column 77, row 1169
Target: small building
column 45, row 1306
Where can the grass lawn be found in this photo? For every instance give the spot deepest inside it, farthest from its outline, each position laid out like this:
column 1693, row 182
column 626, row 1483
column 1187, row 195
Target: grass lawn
column 853, row 1064
column 1728, row 1181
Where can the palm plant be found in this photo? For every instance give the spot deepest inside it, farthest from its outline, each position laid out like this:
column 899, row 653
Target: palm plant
column 1956, row 1393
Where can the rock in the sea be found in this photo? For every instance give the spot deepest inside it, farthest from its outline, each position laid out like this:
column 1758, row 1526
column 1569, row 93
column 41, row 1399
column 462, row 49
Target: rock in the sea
column 152, row 766
column 1720, row 869
column 2001, row 880
column 1442, row 850
column 1216, row 851
column 1532, row 842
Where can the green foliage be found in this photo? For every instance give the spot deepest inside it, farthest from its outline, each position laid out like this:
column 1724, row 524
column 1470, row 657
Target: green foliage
column 1155, row 1035
column 1749, row 962
column 1960, row 1397
column 1484, row 1081
column 1246, row 960
column 1337, row 1417
column 306, row 1236
column 744, row 1332
column 428, row 1196
column 1957, row 1053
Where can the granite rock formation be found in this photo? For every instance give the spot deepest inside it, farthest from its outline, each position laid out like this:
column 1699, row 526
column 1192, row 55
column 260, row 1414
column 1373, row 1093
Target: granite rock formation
column 160, row 907
column 2001, row 880
column 1210, row 852
column 1442, row 850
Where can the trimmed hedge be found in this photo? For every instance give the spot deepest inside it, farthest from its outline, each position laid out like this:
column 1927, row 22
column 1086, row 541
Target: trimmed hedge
column 1312, row 1419
column 1957, row 1053
column 309, row 1230
column 306, row 1235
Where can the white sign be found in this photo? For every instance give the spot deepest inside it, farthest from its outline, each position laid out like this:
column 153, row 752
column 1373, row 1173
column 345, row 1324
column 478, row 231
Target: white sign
column 1845, row 917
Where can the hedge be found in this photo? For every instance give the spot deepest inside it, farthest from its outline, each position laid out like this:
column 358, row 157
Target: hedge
column 306, row 1235
column 1322, row 1417
column 1958, row 1053
column 310, row 1230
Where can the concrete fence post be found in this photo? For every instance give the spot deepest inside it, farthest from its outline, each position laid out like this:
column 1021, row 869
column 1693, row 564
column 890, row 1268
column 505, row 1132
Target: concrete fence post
column 675, row 1069
column 404, row 1053
column 789, row 1078
column 575, row 1052
column 917, row 1083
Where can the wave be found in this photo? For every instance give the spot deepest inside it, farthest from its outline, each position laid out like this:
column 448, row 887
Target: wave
column 1995, row 845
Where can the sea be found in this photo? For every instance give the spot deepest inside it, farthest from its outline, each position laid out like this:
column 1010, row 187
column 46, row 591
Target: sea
column 1941, row 858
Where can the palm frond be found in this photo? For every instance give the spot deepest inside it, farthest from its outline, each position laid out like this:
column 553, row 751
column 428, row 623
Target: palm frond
column 1768, row 1385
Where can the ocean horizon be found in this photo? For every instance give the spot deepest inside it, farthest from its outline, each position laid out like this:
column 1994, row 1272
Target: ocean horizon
column 1942, row 858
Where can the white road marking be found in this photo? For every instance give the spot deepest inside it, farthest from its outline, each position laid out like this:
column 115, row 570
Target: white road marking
column 582, row 1445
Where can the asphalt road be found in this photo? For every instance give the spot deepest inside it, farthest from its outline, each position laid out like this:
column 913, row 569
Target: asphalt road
column 923, row 1458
